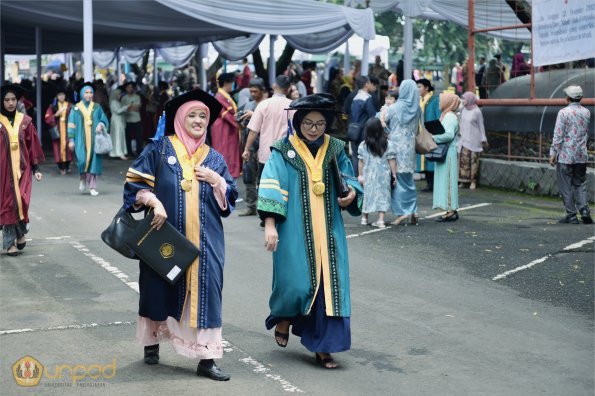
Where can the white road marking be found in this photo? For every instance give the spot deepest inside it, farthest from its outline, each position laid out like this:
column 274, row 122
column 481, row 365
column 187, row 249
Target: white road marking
column 481, row 205
column 57, row 238
column 228, row 347
column 67, row 327
column 240, row 200
column 543, row 259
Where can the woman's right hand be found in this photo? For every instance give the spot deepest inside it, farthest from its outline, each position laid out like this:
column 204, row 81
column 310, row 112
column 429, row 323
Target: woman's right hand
column 361, row 180
column 271, row 237
column 71, row 145
column 159, row 214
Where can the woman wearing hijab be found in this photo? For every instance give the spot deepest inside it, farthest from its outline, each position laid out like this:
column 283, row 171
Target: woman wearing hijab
column 20, row 155
column 56, row 117
column 519, row 66
column 430, row 107
column 85, row 120
column 118, row 124
column 446, row 192
column 472, row 141
column 403, row 120
column 194, row 191
column 301, row 208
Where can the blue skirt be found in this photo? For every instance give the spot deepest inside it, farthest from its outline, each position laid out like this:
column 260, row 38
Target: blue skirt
column 318, row 332
column 404, row 196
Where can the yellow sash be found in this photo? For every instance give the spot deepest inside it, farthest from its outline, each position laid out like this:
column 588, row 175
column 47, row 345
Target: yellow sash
column 230, row 100
column 318, row 217
column 87, row 113
column 62, row 128
column 192, row 217
column 15, row 155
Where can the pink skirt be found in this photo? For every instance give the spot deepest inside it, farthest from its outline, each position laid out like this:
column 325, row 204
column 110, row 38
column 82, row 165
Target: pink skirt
column 187, row 341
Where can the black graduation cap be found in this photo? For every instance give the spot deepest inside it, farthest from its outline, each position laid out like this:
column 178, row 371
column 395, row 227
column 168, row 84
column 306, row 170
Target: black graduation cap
column 86, row 84
column 172, row 106
column 319, row 101
column 18, row 91
column 127, row 83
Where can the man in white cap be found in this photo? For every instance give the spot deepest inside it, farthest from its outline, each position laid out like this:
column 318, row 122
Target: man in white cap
column 569, row 154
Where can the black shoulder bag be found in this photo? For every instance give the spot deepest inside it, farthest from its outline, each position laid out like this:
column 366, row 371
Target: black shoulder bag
column 166, row 251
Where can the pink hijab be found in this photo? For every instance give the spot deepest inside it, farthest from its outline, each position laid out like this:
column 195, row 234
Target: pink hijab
column 190, row 142
column 470, row 100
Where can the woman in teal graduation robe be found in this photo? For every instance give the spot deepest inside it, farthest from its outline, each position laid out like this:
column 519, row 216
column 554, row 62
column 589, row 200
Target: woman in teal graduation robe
column 85, row 120
column 446, row 183
column 299, row 203
column 430, row 107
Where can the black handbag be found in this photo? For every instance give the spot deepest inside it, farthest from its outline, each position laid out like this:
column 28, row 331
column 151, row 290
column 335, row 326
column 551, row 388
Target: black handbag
column 166, row 251
column 439, row 153
column 54, row 133
column 354, row 131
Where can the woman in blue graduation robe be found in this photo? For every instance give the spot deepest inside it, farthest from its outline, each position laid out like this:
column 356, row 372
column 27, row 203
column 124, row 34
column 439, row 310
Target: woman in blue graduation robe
column 430, row 107
column 299, row 203
column 194, row 191
column 85, row 120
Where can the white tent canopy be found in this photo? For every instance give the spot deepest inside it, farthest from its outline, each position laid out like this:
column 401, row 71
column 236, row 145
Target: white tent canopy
column 142, row 23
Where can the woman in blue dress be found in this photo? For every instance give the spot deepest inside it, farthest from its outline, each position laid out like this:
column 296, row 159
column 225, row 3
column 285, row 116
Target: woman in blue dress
column 403, row 120
column 446, row 186
column 194, row 191
column 299, row 203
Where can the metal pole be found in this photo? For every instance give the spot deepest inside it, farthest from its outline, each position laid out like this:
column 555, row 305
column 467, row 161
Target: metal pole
column 272, row 65
column 155, row 75
column 532, row 70
column 202, row 53
column 38, row 110
column 509, row 145
column 408, row 43
column 346, row 59
column 365, row 58
column 65, row 61
column 118, row 66
column 1, row 57
column 471, row 48
column 88, row 40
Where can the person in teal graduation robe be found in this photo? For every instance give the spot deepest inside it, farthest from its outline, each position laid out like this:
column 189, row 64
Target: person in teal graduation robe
column 430, row 107
column 85, row 120
column 299, row 202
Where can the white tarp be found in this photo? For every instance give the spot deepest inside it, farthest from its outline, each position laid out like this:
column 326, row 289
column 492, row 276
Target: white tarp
column 563, row 31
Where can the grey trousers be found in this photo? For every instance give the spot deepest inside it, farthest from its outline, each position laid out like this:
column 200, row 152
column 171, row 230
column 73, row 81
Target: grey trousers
column 572, row 182
column 252, row 188
column 12, row 232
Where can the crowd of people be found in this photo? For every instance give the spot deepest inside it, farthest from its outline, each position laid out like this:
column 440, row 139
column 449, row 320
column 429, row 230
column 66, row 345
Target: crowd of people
column 289, row 146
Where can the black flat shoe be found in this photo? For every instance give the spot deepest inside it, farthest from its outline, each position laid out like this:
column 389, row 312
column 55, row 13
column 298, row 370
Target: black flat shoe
column 283, row 336
column 328, row 363
column 586, row 216
column 152, row 354
column 214, row 372
column 569, row 219
column 452, row 217
column 21, row 246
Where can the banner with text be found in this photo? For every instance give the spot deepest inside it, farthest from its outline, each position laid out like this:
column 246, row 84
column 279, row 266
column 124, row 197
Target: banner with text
column 563, row 31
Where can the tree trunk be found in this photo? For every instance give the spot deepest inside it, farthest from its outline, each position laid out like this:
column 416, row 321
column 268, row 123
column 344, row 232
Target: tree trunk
column 285, row 58
column 522, row 9
column 259, row 68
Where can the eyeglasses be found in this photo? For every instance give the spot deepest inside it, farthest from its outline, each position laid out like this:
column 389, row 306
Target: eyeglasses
column 320, row 125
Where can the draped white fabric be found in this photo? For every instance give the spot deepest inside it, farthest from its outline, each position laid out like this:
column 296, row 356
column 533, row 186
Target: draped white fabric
column 282, row 17
column 488, row 13
column 132, row 55
column 104, row 59
column 238, row 47
column 178, row 55
column 320, row 43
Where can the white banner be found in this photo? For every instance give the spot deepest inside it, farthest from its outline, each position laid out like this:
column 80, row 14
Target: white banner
column 563, row 31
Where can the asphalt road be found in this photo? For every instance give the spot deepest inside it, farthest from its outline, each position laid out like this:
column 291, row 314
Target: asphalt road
column 438, row 309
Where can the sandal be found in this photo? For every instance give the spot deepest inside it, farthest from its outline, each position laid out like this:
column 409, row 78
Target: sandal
column 414, row 220
column 399, row 221
column 327, row 363
column 364, row 221
column 21, row 246
column 281, row 337
column 379, row 224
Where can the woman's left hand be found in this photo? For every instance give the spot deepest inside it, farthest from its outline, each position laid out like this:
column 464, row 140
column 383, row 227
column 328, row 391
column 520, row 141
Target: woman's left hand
column 207, row 175
column 99, row 128
column 38, row 176
column 345, row 202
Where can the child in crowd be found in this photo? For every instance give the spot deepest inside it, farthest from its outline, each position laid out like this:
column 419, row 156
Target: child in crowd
column 391, row 98
column 377, row 170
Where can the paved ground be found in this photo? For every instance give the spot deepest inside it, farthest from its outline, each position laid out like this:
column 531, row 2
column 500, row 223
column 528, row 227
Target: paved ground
column 428, row 316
